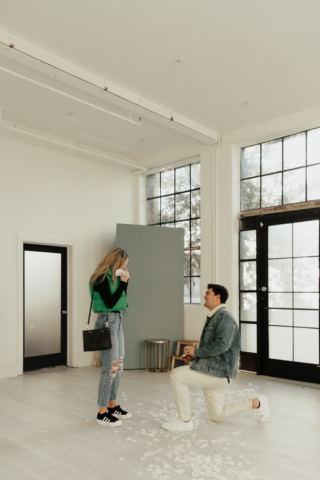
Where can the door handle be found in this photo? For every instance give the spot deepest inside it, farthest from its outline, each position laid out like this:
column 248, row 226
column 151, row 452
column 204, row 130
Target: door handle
column 264, row 289
column 64, row 312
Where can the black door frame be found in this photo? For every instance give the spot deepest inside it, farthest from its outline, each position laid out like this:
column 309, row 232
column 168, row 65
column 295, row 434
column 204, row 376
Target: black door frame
column 256, row 362
column 51, row 360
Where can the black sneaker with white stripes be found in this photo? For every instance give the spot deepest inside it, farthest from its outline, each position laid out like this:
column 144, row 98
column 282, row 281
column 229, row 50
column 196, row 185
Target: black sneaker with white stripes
column 118, row 412
column 108, row 420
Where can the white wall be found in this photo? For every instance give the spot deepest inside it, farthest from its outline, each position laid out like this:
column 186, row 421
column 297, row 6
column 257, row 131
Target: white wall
column 47, row 191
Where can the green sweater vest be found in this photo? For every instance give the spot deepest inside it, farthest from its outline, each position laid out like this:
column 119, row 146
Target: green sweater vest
column 98, row 304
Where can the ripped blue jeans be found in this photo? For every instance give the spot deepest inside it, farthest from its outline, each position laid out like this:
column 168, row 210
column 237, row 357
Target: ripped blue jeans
column 112, row 360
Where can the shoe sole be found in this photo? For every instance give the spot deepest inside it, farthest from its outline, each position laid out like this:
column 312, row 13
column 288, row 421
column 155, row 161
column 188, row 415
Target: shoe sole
column 109, row 424
column 122, row 417
column 176, row 430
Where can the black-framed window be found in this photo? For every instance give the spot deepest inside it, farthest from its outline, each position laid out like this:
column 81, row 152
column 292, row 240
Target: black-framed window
column 173, row 201
column 248, row 290
column 281, row 172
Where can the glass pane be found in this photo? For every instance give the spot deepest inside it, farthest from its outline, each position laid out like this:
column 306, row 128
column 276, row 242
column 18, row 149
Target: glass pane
column 280, row 300
column 281, row 317
column 250, row 194
column 306, row 345
column 248, row 276
column 280, row 343
column 167, row 209
column 183, row 179
column 153, row 212
column 250, row 161
column 271, row 190
column 248, row 307
column 195, row 233
column 306, row 318
column 313, row 148
column 294, row 151
column 294, row 186
column 186, row 227
column 313, row 186
column 195, row 262
column 272, row 156
column 306, row 274
column 195, row 204
column 182, row 206
column 306, row 300
column 167, row 182
column 248, row 245
column 306, row 239
column 187, row 290
column 153, row 185
column 195, row 175
column 168, row 225
column 195, row 290
column 280, row 241
column 42, row 303
column 187, row 263
column 280, row 275
column 248, row 338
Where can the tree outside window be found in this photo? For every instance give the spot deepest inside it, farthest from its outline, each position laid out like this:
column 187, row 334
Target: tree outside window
column 281, row 172
column 173, row 201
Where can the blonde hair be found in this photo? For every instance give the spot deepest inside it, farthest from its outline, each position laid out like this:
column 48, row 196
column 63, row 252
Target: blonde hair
column 115, row 259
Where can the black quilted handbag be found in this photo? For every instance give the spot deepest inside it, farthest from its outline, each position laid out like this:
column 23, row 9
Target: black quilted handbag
column 98, row 339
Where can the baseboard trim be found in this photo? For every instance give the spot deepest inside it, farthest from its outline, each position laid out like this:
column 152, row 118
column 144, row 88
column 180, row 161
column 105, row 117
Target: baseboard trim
column 9, row 371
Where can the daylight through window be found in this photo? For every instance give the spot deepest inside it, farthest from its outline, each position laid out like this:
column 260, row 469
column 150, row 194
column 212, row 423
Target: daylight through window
column 173, row 201
column 282, row 171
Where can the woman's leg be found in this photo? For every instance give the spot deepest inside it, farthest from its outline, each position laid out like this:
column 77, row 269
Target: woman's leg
column 109, row 359
column 119, row 367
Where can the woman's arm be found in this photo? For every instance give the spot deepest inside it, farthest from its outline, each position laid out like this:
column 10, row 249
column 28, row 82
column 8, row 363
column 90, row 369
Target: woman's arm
column 104, row 289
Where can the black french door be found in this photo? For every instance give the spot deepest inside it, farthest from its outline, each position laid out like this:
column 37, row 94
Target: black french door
column 282, row 281
column 290, row 298
column 45, row 306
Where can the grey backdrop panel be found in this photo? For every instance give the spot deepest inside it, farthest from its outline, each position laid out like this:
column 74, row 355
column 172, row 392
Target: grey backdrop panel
column 155, row 290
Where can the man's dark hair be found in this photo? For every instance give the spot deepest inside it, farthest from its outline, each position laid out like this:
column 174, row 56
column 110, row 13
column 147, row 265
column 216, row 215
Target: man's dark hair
column 219, row 290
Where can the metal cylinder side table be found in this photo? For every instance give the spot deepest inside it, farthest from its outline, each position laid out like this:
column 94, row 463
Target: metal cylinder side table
column 158, row 355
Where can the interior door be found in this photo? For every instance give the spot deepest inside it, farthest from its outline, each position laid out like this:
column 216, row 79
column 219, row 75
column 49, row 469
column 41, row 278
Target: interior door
column 45, row 306
column 289, row 292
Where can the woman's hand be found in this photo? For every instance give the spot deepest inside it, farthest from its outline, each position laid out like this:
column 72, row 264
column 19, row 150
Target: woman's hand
column 125, row 276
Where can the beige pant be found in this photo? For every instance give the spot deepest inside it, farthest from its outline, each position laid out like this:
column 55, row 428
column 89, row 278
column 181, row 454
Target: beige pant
column 214, row 389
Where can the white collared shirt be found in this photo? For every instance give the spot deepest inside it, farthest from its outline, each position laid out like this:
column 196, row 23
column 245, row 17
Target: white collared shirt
column 215, row 310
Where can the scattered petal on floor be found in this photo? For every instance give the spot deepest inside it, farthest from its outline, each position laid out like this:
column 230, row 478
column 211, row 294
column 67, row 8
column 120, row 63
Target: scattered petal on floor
column 188, row 454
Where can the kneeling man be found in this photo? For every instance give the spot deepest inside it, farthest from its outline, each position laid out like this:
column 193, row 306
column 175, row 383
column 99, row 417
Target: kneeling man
column 214, row 365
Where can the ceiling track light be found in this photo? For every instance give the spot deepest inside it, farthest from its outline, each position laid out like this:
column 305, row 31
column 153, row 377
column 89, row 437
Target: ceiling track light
column 139, row 123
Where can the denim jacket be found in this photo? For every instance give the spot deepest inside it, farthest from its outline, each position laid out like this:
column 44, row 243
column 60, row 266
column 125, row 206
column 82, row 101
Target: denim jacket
column 219, row 347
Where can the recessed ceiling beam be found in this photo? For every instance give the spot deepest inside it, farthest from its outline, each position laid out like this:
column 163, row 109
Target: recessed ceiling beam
column 40, row 60
column 60, row 92
column 75, row 146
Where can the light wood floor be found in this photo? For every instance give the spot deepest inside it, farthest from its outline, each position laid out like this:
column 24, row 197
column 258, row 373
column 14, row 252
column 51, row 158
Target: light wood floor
column 48, row 431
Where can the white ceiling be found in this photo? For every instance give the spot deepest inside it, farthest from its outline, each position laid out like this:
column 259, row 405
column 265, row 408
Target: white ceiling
column 38, row 109
column 232, row 53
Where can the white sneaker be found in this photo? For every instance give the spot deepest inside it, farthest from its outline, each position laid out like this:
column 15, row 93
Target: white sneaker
column 178, row 425
column 263, row 410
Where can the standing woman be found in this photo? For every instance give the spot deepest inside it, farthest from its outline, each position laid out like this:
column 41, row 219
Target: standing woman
column 110, row 302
